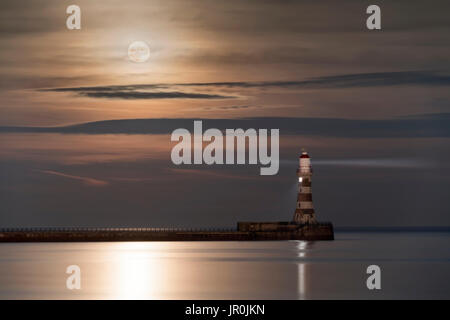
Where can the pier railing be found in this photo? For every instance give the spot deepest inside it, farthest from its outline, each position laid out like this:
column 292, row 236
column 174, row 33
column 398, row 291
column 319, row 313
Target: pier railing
column 94, row 229
column 115, row 229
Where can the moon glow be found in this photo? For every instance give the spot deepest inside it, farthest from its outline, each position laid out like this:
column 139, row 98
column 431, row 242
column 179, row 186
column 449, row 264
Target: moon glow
column 138, row 51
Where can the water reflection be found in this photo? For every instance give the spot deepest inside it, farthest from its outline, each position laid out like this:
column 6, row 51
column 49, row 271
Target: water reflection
column 158, row 270
column 227, row 270
column 138, row 273
column 302, row 268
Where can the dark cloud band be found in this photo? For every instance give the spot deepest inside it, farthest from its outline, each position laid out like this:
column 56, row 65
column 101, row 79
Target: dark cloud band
column 151, row 95
column 424, row 78
column 437, row 125
column 133, row 93
column 149, row 91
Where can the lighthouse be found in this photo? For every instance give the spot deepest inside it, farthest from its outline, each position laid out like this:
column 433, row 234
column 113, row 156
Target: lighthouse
column 304, row 211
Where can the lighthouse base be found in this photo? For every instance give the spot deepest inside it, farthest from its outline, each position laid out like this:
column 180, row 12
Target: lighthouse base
column 289, row 230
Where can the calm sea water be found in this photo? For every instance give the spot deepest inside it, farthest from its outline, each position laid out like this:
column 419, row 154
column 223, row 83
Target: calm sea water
column 413, row 265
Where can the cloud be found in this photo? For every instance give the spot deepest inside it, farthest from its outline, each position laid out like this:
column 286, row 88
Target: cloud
column 425, row 78
column 86, row 180
column 437, row 125
column 107, row 88
column 226, row 108
column 374, row 163
column 153, row 91
column 152, row 95
column 133, row 92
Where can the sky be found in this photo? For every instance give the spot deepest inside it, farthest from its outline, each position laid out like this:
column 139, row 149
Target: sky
column 371, row 107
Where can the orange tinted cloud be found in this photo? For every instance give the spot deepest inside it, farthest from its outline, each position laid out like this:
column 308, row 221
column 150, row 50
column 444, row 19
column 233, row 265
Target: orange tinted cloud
column 85, row 180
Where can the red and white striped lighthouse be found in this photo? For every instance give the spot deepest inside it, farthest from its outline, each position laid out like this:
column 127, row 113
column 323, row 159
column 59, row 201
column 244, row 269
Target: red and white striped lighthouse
column 304, row 212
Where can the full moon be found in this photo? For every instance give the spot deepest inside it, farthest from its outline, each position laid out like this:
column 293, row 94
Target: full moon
column 138, row 51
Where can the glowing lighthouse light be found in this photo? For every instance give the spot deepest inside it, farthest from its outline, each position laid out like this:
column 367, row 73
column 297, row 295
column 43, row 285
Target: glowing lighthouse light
column 304, row 212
